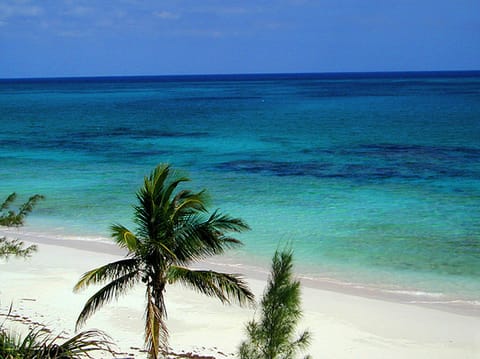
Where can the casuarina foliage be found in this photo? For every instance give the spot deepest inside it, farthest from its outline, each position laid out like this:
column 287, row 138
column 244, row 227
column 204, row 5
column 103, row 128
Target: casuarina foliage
column 12, row 218
column 274, row 336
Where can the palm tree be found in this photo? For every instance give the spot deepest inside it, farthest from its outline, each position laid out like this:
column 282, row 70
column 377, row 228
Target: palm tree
column 273, row 336
column 173, row 230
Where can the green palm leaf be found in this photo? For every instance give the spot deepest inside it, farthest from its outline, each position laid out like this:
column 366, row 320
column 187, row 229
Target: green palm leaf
column 226, row 287
column 125, row 238
column 37, row 343
column 196, row 238
column 107, row 272
column 82, row 345
column 187, row 204
column 224, row 223
column 165, row 199
column 110, row 291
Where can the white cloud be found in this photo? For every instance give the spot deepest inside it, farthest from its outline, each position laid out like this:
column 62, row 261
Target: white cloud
column 119, row 14
column 231, row 11
column 73, row 33
column 298, row 2
column 227, row 10
column 215, row 34
column 272, row 25
column 79, row 11
column 166, row 15
column 12, row 9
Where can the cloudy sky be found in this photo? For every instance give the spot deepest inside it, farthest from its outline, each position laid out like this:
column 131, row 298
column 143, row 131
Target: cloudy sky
column 45, row 38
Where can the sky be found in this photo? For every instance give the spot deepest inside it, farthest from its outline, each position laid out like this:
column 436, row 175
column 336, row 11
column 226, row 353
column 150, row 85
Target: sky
column 62, row 38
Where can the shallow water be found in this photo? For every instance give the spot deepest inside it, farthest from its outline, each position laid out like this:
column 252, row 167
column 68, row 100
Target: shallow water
column 373, row 180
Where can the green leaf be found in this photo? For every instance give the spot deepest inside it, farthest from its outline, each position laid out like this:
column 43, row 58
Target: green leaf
column 110, row 291
column 110, row 271
column 226, row 287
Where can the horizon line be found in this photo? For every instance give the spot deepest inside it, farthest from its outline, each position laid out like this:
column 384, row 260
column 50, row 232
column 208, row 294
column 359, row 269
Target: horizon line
column 239, row 75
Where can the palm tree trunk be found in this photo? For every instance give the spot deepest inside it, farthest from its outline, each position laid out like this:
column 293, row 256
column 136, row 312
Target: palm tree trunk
column 159, row 334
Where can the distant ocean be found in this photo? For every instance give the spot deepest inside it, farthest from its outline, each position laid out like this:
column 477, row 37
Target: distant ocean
column 372, row 178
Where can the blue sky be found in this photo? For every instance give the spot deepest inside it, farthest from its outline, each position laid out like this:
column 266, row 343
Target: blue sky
column 129, row 37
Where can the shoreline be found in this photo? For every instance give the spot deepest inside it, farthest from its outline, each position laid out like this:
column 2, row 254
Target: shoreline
column 229, row 264
column 343, row 325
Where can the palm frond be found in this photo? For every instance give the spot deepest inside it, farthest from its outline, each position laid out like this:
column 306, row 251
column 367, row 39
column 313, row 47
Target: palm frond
column 187, row 203
column 185, row 195
column 16, row 346
column 38, row 343
column 158, row 177
column 111, row 291
column 82, row 345
column 150, row 217
column 225, row 223
column 167, row 193
column 226, row 287
column 196, row 238
column 125, row 238
column 145, row 216
column 107, row 272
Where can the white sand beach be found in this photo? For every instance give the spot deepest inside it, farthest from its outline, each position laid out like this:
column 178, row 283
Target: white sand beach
column 343, row 325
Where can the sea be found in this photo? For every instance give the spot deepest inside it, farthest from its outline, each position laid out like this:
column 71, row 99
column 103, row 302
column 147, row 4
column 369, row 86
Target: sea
column 372, row 179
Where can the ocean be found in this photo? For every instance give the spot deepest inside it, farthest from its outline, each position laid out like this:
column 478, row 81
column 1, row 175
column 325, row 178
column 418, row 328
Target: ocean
column 372, row 178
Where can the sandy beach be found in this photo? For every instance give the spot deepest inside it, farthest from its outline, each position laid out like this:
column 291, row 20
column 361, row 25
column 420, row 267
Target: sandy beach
column 343, row 325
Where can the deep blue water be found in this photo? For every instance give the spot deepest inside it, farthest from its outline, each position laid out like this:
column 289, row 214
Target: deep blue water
column 372, row 178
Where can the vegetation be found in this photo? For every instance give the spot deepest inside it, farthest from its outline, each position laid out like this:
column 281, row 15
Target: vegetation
column 39, row 344
column 273, row 336
column 16, row 248
column 173, row 230
column 11, row 218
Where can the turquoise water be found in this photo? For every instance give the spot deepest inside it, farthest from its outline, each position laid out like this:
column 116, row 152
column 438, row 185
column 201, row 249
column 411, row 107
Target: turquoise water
column 373, row 179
